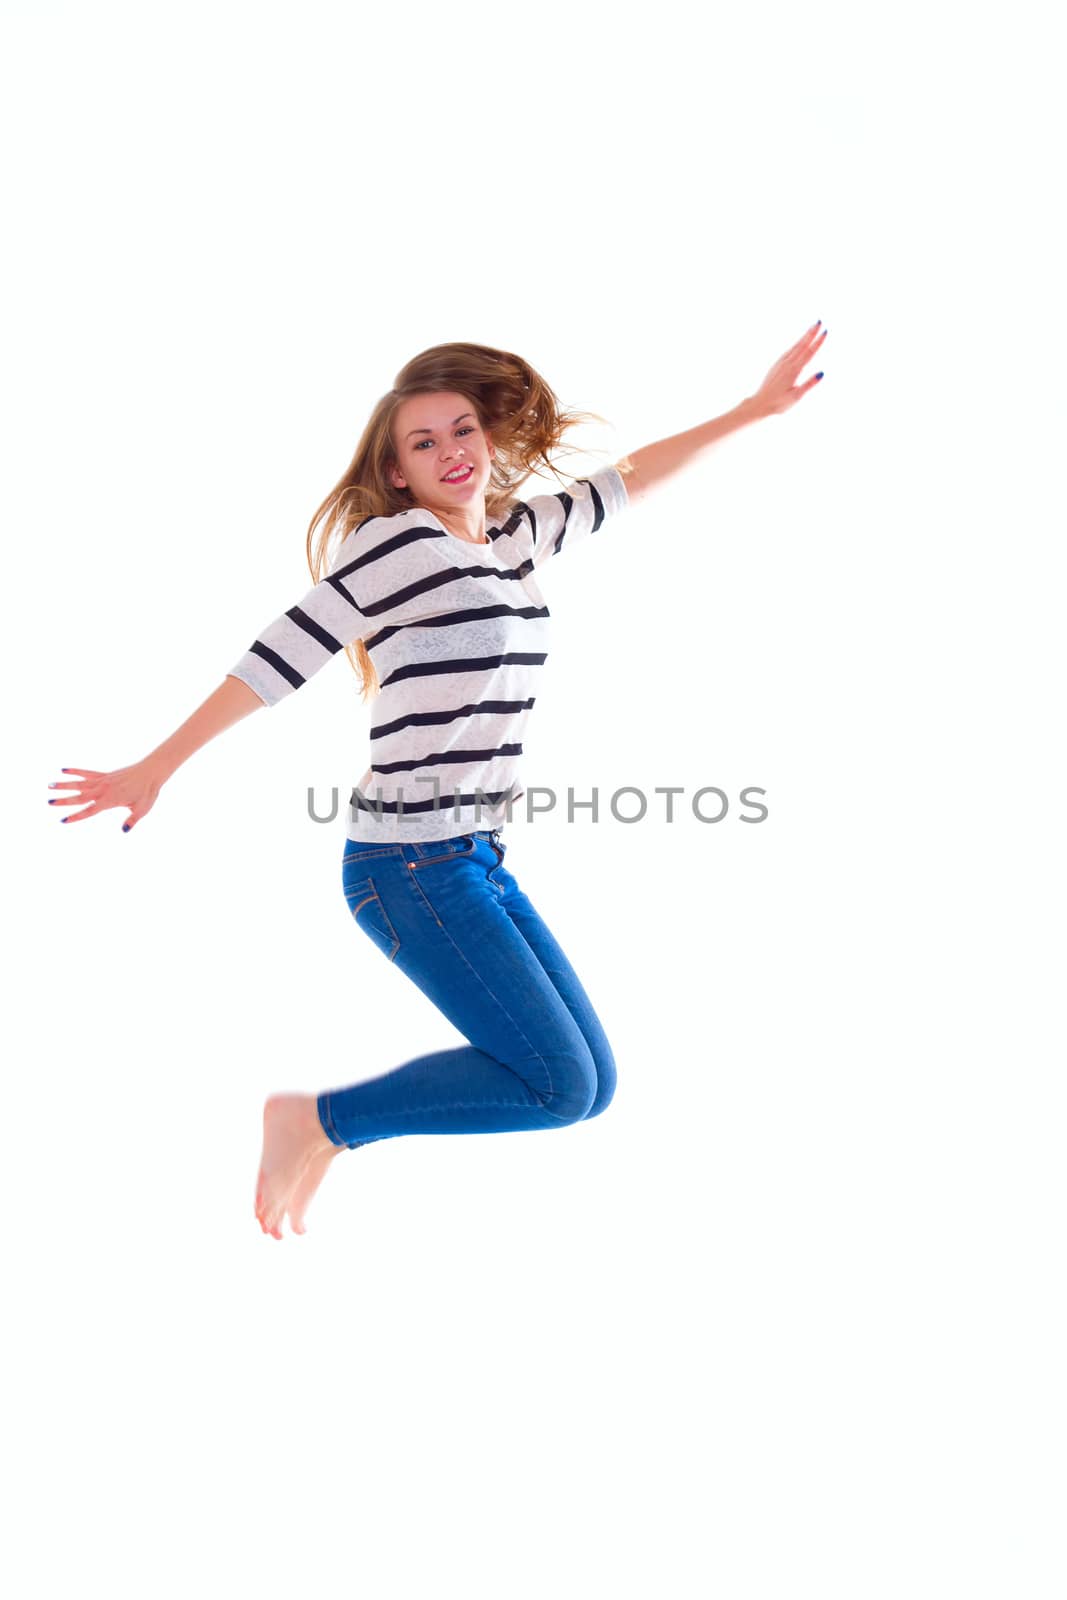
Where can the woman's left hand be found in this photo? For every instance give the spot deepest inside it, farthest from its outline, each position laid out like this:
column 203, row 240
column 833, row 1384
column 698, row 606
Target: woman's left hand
column 777, row 392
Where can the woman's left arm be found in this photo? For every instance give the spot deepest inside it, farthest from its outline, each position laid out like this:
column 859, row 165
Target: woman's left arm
column 655, row 463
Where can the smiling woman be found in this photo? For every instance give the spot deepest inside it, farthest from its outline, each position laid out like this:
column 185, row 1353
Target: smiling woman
column 453, row 405
column 436, row 572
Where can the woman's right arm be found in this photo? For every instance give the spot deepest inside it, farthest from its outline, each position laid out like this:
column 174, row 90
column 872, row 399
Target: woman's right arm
column 231, row 701
column 287, row 652
column 138, row 786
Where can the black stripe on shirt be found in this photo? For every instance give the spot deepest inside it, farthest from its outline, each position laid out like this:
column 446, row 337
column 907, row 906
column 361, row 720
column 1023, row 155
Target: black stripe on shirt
column 440, row 758
column 429, row 669
column 435, row 803
column 425, row 719
column 280, row 665
column 436, row 580
column 387, row 546
column 449, row 619
column 315, row 629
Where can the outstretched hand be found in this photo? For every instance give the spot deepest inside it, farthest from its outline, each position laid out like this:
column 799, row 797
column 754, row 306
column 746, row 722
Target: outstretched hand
column 136, row 787
column 777, row 392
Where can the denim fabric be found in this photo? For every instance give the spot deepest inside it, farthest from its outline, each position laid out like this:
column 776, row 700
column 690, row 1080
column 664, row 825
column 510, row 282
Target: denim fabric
column 452, row 917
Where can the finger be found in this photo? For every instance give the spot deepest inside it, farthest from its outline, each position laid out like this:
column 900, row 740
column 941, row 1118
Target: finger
column 806, row 355
column 84, row 772
column 805, row 340
column 77, row 816
column 795, row 349
column 83, row 792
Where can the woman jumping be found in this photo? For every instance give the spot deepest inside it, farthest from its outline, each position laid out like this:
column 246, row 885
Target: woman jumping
column 432, row 593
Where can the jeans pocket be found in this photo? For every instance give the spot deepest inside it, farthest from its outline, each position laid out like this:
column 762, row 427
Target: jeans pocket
column 365, row 904
column 443, row 850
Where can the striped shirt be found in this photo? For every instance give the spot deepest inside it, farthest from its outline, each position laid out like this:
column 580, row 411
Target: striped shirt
column 458, row 633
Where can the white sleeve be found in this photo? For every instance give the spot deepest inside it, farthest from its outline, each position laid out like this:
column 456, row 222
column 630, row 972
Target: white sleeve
column 559, row 521
column 292, row 648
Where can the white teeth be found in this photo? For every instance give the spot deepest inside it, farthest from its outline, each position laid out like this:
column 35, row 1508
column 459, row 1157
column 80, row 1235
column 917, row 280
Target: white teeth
column 460, row 472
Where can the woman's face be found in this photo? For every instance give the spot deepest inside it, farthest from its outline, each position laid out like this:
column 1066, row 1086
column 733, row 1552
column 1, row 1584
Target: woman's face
column 432, row 434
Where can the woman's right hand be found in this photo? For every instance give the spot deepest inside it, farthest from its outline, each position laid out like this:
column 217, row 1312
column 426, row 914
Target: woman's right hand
column 136, row 787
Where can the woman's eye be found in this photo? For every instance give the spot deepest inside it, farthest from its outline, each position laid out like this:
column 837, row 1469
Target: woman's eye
column 468, row 428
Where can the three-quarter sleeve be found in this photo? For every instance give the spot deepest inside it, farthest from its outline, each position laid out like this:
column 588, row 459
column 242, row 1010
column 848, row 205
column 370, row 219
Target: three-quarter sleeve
column 559, row 521
column 292, row 648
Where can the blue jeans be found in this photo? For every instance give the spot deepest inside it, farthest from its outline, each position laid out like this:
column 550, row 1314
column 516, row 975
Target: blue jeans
column 452, row 917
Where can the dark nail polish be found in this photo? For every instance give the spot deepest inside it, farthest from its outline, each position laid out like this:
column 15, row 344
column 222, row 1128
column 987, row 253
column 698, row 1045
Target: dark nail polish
column 125, row 827
column 818, row 374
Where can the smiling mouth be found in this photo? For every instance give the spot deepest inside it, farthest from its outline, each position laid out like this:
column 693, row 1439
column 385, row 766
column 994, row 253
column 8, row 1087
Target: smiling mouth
column 462, row 477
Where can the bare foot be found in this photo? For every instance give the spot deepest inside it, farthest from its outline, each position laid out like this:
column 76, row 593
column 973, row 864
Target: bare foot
column 292, row 1137
column 314, row 1173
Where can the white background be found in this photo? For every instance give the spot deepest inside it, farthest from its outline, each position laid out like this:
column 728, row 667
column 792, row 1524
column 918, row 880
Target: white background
column 789, row 1318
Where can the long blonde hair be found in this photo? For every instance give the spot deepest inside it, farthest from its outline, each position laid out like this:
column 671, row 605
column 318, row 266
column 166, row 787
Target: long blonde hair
column 513, row 403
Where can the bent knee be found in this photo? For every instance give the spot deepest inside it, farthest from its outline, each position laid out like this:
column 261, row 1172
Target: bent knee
column 582, row 1086
column 573, row 1085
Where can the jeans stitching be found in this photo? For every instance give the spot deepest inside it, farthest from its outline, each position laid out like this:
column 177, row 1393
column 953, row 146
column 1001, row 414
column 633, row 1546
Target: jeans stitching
column 393, row 935
column 446, row 855
column 324, row 1101
column 458, row 1105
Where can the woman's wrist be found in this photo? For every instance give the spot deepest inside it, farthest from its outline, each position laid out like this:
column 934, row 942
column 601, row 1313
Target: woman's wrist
column 160, row 764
